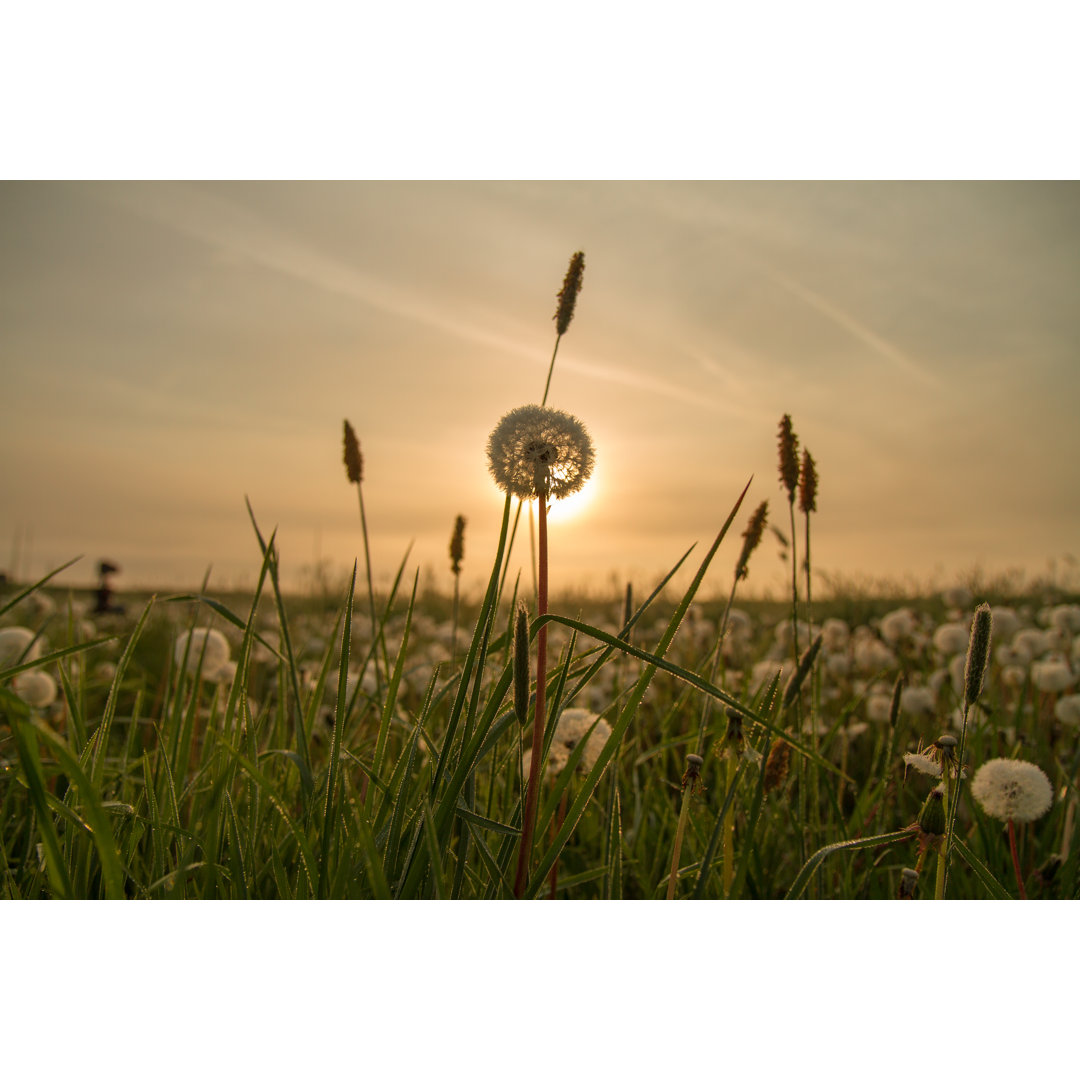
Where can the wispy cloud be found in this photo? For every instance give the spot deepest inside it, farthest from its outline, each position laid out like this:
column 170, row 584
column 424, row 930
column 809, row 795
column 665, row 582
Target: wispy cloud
column 236, row 233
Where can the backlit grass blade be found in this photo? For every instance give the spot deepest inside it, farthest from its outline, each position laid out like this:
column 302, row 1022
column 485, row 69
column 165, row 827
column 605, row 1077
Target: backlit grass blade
column 819, row 856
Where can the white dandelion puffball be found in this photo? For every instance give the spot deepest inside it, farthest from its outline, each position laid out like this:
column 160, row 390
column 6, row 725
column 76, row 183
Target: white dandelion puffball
column 573, row 726
column 1067, row 710
column 897, row 626
column 536, row 450
column 216, row 654
column 37, row 688
column 1052, row 676
column 878, row 708
column 1006, row 622
column 14, row 642
column 1066, row 617
column 917, row 700
column 836, row 634
column 951, row 638
column 1012, row 790
column 1031, row 643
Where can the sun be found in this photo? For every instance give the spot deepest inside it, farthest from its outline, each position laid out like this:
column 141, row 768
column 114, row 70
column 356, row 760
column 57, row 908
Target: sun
column 572, row 507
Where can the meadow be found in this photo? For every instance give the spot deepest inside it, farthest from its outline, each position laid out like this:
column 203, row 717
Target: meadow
column 402, row 744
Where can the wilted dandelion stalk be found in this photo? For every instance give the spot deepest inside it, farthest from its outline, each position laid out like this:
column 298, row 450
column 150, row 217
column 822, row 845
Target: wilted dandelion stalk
column 354, row 469
column 690, row 783
column 538, row 453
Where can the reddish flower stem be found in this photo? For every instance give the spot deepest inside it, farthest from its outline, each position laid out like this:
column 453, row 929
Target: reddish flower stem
column 1016, row 860
column 535, row 765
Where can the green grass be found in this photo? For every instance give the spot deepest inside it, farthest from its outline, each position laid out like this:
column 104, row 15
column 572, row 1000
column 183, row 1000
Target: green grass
column 303, row 776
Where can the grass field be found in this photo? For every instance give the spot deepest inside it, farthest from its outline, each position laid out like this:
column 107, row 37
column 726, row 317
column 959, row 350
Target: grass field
column 301, row 750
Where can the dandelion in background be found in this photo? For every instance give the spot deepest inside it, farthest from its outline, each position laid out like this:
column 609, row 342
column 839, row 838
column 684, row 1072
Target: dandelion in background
column 18, row 645
column 536, row 452
column 1012, row 791
column 206, row 652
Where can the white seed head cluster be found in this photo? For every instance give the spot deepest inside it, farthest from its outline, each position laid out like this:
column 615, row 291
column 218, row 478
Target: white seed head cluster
column 536, row 450
column 17, row 646
column 36, row 687
column 573, row 726
column 216, row 654
column 1012, row 790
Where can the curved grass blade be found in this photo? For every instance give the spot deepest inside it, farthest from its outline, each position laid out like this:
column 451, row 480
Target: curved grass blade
column 819, row 856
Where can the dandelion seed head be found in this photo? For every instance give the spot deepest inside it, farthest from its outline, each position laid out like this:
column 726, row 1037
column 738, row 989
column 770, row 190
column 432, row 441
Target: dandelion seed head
column 15, row 643
column 37, row 688
column 536, row 450
column 1012, row 790
column 1052, row 676
column 213, row 659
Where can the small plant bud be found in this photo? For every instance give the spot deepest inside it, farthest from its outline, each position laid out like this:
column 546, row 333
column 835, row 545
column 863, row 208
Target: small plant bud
column 909, row 879
column 932, row 814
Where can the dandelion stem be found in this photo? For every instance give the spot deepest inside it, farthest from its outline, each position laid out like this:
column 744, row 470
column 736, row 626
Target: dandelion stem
column 1016, row 859
column 536, row 763
column 729, row 830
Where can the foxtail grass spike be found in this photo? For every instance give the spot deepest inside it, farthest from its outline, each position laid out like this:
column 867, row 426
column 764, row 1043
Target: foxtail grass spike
column 807, row 484
column 457, row 545
column 354, row 460
column 568, row 294
column 755, row 529
column 789, row 457
column 978, row 653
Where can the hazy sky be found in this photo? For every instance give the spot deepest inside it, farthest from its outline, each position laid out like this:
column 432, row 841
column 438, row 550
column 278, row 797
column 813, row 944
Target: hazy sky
column 167, row 349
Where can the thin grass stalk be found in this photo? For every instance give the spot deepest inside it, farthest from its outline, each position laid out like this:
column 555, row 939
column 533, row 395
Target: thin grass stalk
column 690, row 781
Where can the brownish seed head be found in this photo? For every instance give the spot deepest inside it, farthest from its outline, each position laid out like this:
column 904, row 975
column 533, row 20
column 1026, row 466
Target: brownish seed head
column 457, row 545
column 807, row 484
column 568, row 294
column 978, row 654
column 354, row 460
column 789, row 457
column 776, row 765
column 751, row 538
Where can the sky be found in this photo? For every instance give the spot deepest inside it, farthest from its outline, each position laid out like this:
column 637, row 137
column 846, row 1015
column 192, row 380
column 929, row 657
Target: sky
column 170, row 348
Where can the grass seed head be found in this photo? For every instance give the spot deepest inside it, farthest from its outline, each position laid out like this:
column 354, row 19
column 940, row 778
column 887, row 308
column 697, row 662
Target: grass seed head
column 457, row 545
column 568, row 294
column 354, row 460
column 806, row 662
column 978, row 654
column 777, row 765
column 807, row 484
column 755, row 528
column 789, row 457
